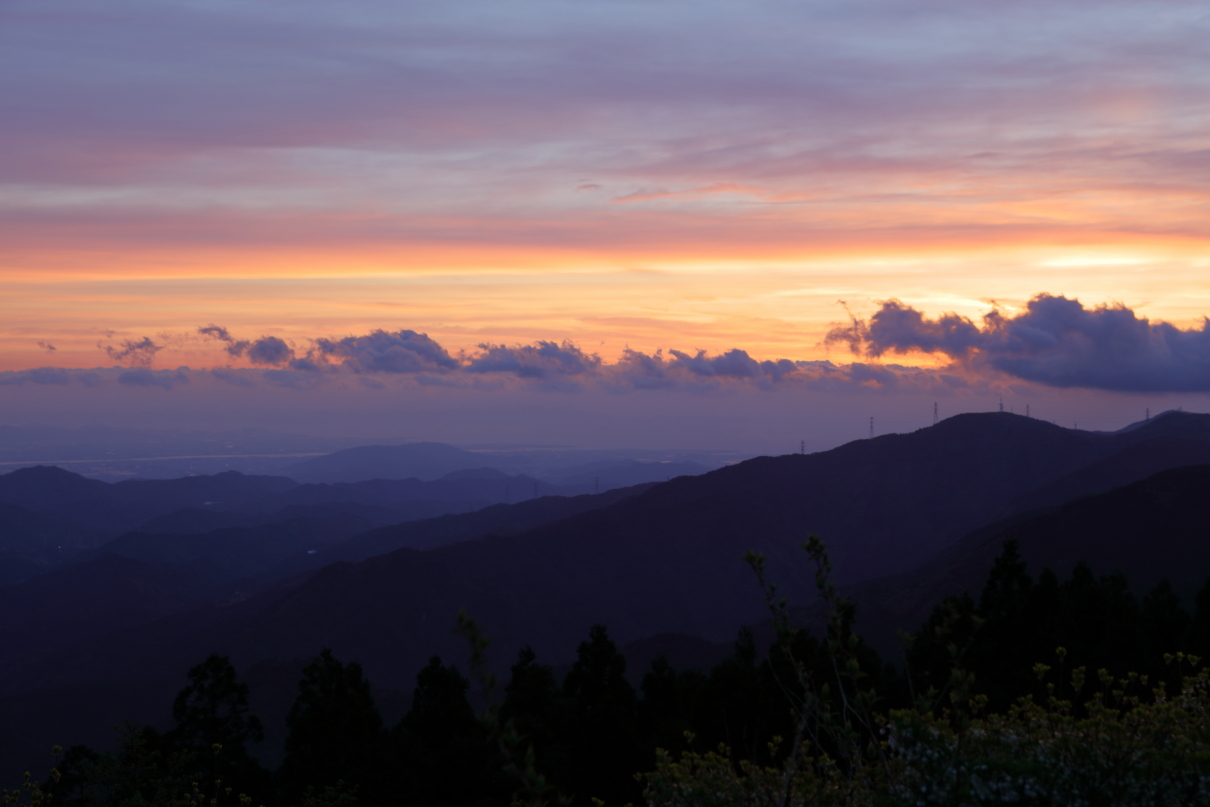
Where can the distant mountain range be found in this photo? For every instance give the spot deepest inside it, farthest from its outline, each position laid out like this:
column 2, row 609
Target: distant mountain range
column 425, row 461
column 907, row 519
column 50, row 517
column 429, row 461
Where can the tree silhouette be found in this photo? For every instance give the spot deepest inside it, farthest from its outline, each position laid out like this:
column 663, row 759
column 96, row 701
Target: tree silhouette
column 213, row 711
column 602, row 722
column 444, row 746
column 336, row 737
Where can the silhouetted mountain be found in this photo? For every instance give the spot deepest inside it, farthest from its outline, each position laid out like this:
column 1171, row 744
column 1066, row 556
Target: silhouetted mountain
column 40, row 537
column 425, row 461
column 474, row 473
column 104, row 594
column 235, row 553
column 413, row 498
column 497, row 520
column 1147, row 530
column 613, row 474
column 49, row 516
column 434, row 461
column 15, row 567
column 121, row 506
column 101, row 452
column 138, row 577
column 665, row 561
column 193, row 521
column 219, row 565
column 45, row 487
column 1131, row 464
column 1138, row 424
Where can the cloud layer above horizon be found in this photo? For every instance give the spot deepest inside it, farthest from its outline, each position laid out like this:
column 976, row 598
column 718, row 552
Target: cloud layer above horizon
column 608, row 174
column 1055, row 342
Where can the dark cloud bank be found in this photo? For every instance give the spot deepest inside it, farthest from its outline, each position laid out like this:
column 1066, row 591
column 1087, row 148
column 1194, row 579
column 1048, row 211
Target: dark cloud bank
column 1055, row 342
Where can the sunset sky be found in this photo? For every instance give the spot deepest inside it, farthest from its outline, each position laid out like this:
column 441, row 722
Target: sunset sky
column 540, row 187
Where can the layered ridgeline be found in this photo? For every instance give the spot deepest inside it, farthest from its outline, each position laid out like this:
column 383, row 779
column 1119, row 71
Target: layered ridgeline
column 50, row 517
column 666, row 560
column 181, row 562
column 1151, row 531
column 571, row 469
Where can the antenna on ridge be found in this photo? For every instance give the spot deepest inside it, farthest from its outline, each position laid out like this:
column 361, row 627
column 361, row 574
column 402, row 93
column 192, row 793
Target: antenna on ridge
column 871, row 426
column 934, row 413
column 1002, row 403
column 802, row 447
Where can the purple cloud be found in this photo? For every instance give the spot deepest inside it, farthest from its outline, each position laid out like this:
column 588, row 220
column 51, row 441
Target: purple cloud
column 270, row 350
column 385, row 352
column 232, row 377
column 820, row 93
column 213, row 331
column 38, row 375
column 235, row 347
column 541, row 360
column 140, row 353
column 1056, row 341
column 735, row 363
column 144, row 377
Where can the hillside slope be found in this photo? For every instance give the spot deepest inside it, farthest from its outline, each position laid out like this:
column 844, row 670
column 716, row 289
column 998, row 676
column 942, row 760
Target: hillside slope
column 1148, row 530
column 665, row 561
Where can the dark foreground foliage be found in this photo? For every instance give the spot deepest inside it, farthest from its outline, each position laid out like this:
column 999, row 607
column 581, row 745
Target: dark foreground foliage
column 1040, row 692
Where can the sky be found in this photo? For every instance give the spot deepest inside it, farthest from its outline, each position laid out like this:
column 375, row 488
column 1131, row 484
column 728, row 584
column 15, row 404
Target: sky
column 717, row 224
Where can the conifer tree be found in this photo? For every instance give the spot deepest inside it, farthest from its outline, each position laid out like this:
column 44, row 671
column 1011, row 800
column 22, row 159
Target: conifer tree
column 444, row 747
column 336, row 738
column 214, row 724
column 602, row 722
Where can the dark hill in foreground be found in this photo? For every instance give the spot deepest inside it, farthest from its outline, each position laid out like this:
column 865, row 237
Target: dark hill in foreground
column 499, row 519
column 141, row 576
column 665, row 561
column 1154, row 529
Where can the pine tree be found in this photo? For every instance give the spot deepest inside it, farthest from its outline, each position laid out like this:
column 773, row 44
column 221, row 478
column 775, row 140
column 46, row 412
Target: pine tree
column 444, row 746
column 213, row 723
column 602, row 728
column 336, row 738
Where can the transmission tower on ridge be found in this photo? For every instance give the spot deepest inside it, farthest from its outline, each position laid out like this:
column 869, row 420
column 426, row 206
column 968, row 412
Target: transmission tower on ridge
column 935, row 413
column 1001, row 403
column 871, row 427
